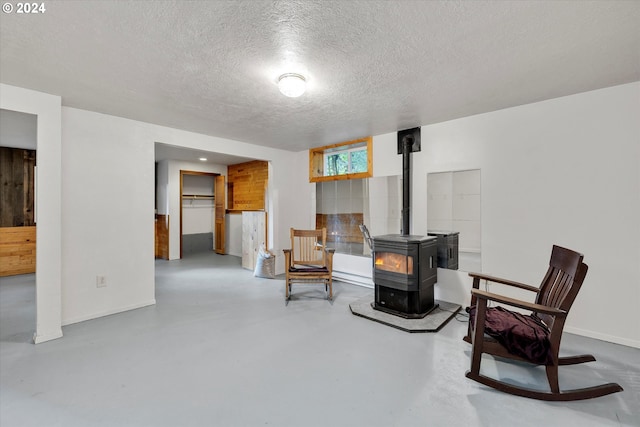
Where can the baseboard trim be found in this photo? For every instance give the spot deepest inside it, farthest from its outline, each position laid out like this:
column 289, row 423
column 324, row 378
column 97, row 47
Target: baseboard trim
column 37, row 339
column 107, row 312
column 353, row 279
column 603, row 337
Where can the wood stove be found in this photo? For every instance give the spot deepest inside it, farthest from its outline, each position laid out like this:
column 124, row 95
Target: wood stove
column 404, row 273
column 405, row 266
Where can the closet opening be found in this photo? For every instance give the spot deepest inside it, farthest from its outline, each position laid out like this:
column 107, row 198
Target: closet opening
column 202, row 212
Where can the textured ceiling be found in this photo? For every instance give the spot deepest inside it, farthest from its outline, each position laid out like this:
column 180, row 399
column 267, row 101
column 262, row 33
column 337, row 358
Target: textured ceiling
column 373, row 66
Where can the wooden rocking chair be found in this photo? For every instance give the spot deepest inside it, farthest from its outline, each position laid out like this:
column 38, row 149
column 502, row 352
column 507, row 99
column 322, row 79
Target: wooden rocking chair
column 309, row 260
column 533, row 338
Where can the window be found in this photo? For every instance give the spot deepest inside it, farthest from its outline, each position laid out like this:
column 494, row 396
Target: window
column 346, row 160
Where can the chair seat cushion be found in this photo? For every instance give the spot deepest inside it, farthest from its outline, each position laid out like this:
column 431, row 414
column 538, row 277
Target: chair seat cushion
column 308, row 270
column 523, row 335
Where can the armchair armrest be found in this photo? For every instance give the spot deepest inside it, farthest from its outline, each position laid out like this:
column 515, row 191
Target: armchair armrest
column 479, row 276
column 538, row 308
column 330, row 252
column 287, row 258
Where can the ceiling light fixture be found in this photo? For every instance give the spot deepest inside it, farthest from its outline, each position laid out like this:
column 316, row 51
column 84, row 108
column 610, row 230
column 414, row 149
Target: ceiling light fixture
column 292, row 85
column 203, row 159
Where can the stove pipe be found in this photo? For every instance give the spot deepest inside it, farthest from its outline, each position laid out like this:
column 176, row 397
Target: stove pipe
column 408, row 142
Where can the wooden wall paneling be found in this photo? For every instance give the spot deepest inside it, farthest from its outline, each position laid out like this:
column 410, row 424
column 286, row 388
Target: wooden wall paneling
column 162, row 236
column 17, row 250
column 29, row 186
column 17, row 187
column 247, row 183
column 219, row 215
column 12, row 173
column 6, row 194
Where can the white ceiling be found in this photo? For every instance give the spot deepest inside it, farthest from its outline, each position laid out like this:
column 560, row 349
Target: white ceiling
column 373, row 67
column 171, row 152
column 18, row 130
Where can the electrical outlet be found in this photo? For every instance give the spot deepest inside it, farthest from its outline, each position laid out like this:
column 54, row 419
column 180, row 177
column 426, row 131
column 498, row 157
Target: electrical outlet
column 101, row 281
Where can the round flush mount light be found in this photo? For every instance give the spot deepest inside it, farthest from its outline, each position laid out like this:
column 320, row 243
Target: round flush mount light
column 203, row 159
column 292, row 84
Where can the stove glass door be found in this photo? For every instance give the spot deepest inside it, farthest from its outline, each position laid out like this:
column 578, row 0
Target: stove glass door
column 395, row 263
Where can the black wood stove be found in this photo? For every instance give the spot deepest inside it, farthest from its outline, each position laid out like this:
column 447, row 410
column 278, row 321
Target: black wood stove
column 404, row 273
column 405, row 266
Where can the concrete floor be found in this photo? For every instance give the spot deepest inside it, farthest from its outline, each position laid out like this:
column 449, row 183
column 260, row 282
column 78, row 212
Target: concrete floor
column 221, row 348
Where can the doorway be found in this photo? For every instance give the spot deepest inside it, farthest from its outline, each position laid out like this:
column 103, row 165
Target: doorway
column 202, row 213
column 18, row 144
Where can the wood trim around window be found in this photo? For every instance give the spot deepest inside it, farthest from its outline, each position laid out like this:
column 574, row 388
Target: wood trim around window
column 316, row 161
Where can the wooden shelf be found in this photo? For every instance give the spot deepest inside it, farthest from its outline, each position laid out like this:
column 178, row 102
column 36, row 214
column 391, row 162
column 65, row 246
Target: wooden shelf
column 239, row 211
column 197, row 197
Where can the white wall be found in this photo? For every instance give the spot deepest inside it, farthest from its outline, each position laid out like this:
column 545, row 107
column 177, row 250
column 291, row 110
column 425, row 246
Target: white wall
column 48, row 200
column 385, row 205
column 197, row 217
column 564, row 171
column 454, row 204
column 107, row 202
column 233, row 237
column 292, row 201
column 108, row 206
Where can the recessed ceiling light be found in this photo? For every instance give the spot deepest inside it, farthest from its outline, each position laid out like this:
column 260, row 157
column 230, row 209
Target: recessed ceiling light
column 203, row 159
column 292, row 84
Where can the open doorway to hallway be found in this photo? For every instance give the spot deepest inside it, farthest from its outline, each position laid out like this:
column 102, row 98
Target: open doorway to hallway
column 18, row 143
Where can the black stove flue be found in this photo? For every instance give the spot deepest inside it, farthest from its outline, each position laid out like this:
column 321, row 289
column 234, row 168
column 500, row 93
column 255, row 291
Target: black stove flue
column 405, row 266
column 408, row 142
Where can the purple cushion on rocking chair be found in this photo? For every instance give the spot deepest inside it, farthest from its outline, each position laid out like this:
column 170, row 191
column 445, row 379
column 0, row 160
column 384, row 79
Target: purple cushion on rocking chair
column 308, row 270
column 523, row 335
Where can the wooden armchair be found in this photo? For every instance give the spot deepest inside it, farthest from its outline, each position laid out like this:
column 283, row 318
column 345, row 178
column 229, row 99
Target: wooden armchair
column 309, row 260
column 533, row 338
